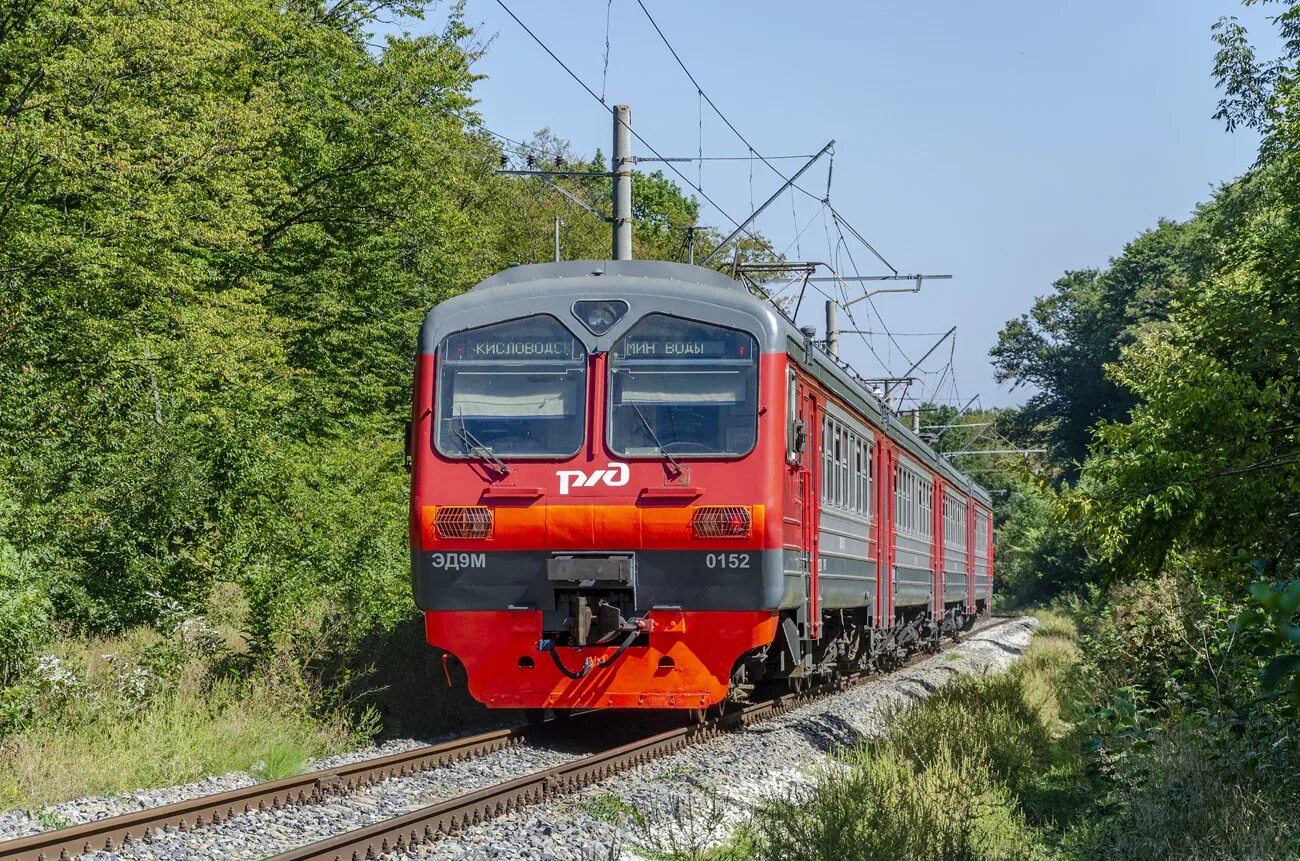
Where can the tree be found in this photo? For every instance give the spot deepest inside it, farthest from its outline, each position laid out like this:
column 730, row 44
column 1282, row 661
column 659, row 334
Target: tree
column 1062, row 345
column 221, row 224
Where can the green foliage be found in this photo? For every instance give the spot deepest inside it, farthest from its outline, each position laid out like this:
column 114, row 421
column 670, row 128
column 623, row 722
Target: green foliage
column 1038, row 554
column 114, row 714
column 1187, row 759
column 1062, row 345
column 1209, row 459
column 965, row 774
column 24, row 616
column 611, row 808
column 220, row 226
column 1275, row 618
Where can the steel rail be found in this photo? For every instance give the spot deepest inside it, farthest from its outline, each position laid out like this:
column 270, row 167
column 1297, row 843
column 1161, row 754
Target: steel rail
column 312, row 787
column 446, row 817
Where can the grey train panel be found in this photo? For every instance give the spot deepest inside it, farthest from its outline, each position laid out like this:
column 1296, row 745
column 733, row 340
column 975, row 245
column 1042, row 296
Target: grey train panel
column 847, row 582
column 912, row 586
column 795, row 573
column 954, row 574
column 911, row 551
column 843, row 533
column 954, row 561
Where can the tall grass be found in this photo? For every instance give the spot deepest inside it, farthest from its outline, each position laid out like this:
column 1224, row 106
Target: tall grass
column 149, row 708
column 1021, row 766
column 178, row 738
column 945, row 779
column 1183, row 795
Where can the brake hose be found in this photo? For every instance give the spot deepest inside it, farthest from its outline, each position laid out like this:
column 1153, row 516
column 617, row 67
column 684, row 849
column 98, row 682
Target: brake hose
column 587, row 664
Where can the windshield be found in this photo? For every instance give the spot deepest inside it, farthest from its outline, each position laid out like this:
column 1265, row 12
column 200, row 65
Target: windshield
column 682, row 388
column 515, row 389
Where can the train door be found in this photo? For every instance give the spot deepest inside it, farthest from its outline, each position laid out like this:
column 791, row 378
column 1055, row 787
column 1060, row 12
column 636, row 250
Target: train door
column 803, row 447
column 813, row 420
column 884, row 489
column 939, row 547
column 971, row 538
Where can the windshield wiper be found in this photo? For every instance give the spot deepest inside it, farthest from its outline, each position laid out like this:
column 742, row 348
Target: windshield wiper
column 472, row 443
column 677, row 467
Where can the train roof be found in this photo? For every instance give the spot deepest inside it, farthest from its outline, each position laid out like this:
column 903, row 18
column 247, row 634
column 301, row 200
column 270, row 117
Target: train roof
column 676, row 288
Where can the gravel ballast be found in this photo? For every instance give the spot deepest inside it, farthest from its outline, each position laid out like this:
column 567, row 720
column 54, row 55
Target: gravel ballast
column 267, row 832
column 90, row 808
column 698, row 796
column 694, row 797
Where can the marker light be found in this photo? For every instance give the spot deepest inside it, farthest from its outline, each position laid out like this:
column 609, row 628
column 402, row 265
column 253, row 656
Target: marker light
column 722, row 521
column 600, row 316
column 463, row 521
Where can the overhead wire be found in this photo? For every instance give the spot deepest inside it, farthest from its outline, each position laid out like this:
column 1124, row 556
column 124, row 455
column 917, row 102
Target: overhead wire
column 699, row 154
column 640, row 138
column 841, row 223
column 604, row 75
column 766, row 160
column 712, row 104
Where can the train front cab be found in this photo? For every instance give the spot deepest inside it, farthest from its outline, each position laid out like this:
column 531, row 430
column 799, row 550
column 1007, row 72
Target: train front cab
column 595, row 516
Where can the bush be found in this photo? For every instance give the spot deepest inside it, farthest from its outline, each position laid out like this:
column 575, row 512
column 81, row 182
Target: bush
column 959, row 776
column 151, row 708
column 24, row 617
column 878, row 804
column 1182, row 793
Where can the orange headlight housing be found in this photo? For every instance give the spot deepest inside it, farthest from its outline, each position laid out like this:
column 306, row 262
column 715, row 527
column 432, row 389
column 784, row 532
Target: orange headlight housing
column 723, row 521
column 463, row 521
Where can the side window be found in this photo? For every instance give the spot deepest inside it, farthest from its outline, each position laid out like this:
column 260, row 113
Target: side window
column 855, row 465
column 828, row 461
column 868, row 452
column 871, row 477
column 841, row 462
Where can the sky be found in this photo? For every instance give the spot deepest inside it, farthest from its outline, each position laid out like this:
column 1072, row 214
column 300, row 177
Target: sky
column 1000, row 142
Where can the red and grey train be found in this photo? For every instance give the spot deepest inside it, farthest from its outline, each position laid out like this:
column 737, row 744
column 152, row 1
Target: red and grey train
column 637, row 485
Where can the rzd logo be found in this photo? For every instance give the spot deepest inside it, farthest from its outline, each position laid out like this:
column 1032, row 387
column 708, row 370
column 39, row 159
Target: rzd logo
column 615, row 476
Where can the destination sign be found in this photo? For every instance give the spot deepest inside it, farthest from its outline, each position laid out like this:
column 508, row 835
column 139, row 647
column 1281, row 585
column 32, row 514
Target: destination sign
column 472, row 349
column 669, row 348
column 642, row 348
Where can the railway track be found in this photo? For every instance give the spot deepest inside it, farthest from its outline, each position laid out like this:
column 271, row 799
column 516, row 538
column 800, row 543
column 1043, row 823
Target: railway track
column 427, row 823
column 447, row 817
column 314, row 786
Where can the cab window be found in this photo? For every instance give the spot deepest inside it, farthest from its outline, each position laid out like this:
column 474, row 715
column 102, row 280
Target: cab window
column 513, row 389
column 684, row 388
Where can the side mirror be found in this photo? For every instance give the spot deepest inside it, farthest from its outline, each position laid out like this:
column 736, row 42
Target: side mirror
column 800, row 436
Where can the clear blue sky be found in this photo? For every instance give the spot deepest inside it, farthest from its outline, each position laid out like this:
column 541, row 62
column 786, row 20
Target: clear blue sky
column 1000, row 142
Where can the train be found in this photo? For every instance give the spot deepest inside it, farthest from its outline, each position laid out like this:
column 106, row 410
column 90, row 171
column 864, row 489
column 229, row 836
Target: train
column 637, row 484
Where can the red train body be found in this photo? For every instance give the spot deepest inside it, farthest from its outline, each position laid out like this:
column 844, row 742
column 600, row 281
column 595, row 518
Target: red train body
column 635, row 485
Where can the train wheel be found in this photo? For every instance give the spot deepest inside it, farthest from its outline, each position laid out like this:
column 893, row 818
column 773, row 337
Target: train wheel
column 795, row 684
